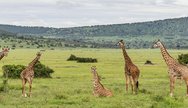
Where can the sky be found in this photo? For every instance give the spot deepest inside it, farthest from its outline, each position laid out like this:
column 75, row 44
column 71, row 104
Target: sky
column 73, row 13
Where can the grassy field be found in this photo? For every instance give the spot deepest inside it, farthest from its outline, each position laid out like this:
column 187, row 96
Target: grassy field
column 71, row 84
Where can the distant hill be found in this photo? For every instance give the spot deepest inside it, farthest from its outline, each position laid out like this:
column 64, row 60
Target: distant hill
column 173, row 32
column 6, row 33
column 24, row 29
column 167, row 27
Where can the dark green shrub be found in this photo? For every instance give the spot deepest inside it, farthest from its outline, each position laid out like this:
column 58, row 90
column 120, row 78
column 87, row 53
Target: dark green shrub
column 13, row 71
column 72, row 58
column 42, row 71
column 86, row 60
column 81, row 59
column 183, row 59
column 148, row 62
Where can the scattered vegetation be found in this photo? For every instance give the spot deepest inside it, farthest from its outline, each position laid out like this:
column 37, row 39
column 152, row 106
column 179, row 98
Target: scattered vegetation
column 74, row 86
column 172, row 32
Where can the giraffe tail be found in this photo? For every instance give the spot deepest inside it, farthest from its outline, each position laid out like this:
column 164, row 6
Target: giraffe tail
column 137, row 84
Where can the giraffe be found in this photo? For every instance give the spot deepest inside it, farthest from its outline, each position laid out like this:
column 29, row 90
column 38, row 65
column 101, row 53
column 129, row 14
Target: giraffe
column 4, row 52
column 175, row 69
column 131, row 70
column 98, row 88
column 27, row 75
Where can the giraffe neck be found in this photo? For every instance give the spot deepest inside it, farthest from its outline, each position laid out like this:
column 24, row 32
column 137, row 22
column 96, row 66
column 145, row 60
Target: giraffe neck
column 1, row 55
column 96, row 77
column 126, row 57
column 96, row 81
column 34, row 61
column 166, row 55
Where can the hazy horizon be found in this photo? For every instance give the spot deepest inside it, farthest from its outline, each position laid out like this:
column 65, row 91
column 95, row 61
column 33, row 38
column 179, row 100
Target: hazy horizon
column 76, row 13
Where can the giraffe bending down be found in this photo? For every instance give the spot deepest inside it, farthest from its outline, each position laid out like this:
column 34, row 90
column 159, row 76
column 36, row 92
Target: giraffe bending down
column 98, row 88
column 175, row 69
column 131, row 70
column 4, row 52
column 27, row 75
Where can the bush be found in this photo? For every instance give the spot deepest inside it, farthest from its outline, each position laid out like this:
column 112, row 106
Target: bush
column 13, row 71
column 81, row 59
column 183, row 59
column 72, row 58
column 86, row 60
column 148, row 62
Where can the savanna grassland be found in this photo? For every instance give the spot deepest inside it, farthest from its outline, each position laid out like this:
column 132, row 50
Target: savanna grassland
column 71, row 83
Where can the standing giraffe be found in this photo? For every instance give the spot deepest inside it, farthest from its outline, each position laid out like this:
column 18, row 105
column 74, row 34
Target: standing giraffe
column 131, row 70
column 27, row 75
column 175, row 69
column 98, row 88
column 4, row 52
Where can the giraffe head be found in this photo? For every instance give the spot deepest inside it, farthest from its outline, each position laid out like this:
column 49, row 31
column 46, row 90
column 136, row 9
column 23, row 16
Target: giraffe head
column 121, row 44
column 39, row 54
column 157, row 44
column 5, row 51
column 93, row 69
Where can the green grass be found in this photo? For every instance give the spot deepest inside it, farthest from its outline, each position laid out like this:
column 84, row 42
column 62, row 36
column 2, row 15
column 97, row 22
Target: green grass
column 71, row 85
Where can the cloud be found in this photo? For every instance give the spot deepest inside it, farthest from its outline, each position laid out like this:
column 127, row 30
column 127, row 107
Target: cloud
column 70, row 13
column 68, row 4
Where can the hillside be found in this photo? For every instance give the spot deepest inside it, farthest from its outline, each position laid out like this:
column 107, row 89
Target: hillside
column 173, row 32
column 168, row 27
column 6, row 33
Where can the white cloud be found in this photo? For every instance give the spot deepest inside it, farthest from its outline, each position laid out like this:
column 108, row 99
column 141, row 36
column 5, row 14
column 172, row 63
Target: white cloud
column 69, row 13
column 181, row 2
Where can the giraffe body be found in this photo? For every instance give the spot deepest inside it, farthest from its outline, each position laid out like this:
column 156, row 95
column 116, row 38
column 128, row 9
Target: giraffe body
column 27, row 75
column 131, row 70
column 98, row 88
column 175, row 69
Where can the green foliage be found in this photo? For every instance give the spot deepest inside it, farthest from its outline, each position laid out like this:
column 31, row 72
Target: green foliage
column 42, row 71
column 13, row 71
column 183, row 59
column 81, row 59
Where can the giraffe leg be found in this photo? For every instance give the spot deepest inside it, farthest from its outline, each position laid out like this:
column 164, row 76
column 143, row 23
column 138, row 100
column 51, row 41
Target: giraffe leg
column 135, row 86
column 127, row 83
column 187, row 87
column 30, row 87
column 23, row 87
column 132, row 84
column 172, row 81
